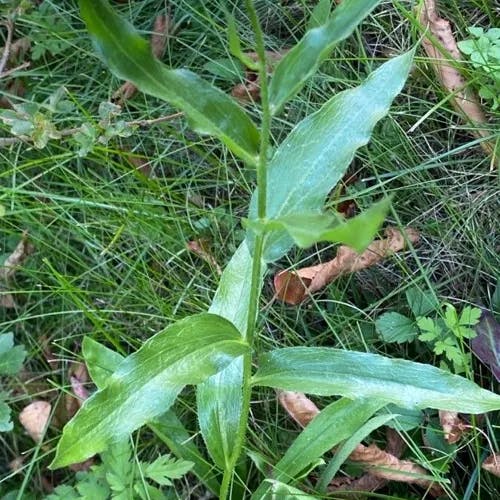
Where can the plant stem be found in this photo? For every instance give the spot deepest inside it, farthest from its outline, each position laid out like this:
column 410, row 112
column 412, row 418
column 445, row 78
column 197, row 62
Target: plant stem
column 266, row 114
column 255, row 284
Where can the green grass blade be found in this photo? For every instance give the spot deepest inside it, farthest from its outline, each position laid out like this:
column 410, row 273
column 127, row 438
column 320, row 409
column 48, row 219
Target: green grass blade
column 147, row 383
column 329, row 372
column 128, row 56
column 303, row 60
column 316, row 154
column 336, row 422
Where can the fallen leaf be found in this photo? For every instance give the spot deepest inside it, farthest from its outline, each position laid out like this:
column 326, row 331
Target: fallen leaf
column 16, row 258
column 298, row 406
column 161, row 29
column 34, row 419
column 486, row 344
column 82, row 466
column 7, row 271
column 492, row 464
column 293, row 287
column 78, row 376
column 16, row 464
column 464, row 99
column 453, row 426
column 249, row 90
column 200, row 248
column 383, row 465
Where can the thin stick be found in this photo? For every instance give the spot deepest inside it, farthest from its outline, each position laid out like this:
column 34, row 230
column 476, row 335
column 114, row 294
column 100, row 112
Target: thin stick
column 6, row 51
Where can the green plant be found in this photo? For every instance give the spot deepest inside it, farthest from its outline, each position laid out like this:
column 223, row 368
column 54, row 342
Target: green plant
column 483, row 50
column 445, row 331
column 11, row 361
column 214, row 350
column 118, row 476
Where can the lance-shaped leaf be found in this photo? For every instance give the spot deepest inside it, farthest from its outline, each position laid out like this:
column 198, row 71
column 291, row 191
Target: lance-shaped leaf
column 128, row 56
column 307, row 229
column 328, row 372
column 316, row 154
column 101, row 363
column 303, row 60
column 147, row 382
column 219, row 398
column 329, row 427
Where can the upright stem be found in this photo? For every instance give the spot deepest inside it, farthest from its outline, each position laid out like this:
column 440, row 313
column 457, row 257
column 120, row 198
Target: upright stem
column 255, row 285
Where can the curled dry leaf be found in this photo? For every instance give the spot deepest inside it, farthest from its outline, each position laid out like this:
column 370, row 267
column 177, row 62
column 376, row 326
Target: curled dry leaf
column 453, row 426
column 200, row 248
column 293, row 287
column 486, row 344
column 383, row 465
column 249, row 91
column 464, row 99
column 298, row 406
column 34, row 419
column 161, row 30
column 7, row 271
column 492, row 464
column 78, row 376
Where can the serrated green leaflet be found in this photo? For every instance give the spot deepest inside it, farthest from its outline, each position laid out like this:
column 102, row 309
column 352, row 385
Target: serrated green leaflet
column 333, row 424
column 147, row 382
column 129, row 57
column 316, row 154
column 329, row 372
column 303, row 60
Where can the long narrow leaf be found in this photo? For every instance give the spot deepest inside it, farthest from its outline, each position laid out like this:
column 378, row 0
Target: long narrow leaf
column 332, row 425
column 347, row 447
column 329, row 372
column 219, row 398
column 101, row 363
column 303, row 60
column 147, row 382
column 316, row 154
column 128, row 56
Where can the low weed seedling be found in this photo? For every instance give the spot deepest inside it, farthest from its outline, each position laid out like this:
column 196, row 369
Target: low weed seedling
column 445, row 331
column 119, row 476
column 483, row 50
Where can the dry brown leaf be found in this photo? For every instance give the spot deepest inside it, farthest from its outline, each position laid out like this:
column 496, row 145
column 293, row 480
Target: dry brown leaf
column 391, row 467
column 464, row 99
column 23, row 249
column 298, row 406
column 200, row 248
column 7, row 271
column 78, row 376
column 453, row 426
column 249, row 90
column 82, row 466
column 161, row 29
column 492, row 464
column 293, row 287
column 383, row 465
column 34, row 419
